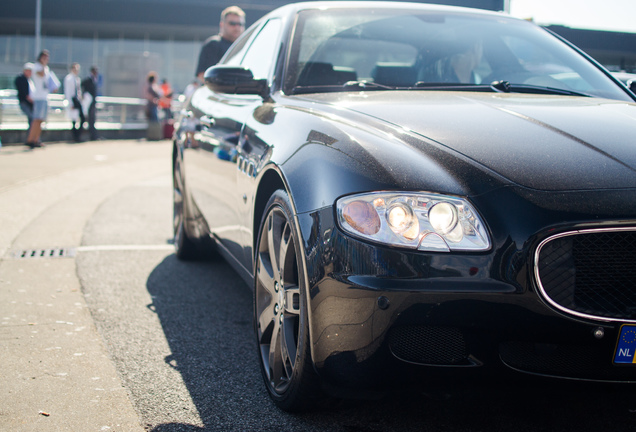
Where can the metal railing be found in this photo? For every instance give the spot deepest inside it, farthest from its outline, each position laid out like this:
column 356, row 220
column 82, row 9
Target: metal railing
column 119, row 113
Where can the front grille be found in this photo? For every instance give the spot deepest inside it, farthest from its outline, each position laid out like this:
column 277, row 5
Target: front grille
column 429, row 345
column 590, row 273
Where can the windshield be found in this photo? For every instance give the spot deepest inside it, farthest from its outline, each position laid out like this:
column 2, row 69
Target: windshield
column 337, row 49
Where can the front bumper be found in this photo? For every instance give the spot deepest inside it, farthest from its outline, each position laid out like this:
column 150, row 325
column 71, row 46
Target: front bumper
column 382, row 316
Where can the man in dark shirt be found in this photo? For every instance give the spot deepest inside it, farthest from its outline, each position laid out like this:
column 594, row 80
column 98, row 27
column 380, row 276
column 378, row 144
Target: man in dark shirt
column 23, row 85
column 89, row 86
column 231, row 26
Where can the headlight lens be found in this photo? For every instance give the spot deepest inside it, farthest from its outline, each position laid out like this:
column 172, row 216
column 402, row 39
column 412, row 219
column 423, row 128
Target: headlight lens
column 443, row 217
column 402, row 220
column 415, row 220
column 362, row 217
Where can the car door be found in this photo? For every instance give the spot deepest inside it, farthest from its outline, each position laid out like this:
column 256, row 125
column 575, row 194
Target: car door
column 219, row 185
column 252, row 150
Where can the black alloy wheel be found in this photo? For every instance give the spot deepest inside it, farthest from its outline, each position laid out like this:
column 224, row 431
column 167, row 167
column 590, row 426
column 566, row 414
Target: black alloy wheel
column 280, row 310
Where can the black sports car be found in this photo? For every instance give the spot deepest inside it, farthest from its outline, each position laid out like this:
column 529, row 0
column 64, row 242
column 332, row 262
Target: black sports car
column 415, row 192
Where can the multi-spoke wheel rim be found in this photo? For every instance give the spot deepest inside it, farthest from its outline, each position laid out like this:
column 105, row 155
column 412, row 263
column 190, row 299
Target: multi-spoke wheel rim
column 277, row 303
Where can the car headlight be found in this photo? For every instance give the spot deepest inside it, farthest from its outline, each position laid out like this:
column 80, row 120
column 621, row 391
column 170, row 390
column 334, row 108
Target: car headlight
column 416, row 220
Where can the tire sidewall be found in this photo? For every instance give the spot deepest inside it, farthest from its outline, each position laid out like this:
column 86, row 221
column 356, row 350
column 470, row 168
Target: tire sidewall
column 185, row 248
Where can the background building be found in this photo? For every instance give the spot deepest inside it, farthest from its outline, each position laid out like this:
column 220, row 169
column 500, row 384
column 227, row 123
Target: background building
column 127, row 38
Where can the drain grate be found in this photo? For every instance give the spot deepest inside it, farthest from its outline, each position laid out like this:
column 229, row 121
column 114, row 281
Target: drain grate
column 71, row 252
column 45, row 253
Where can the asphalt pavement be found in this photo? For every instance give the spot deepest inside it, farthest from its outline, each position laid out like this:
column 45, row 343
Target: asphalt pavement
column 110, row 332
column 57, row 374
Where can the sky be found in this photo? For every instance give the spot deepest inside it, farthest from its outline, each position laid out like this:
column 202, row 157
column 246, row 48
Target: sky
column 611, row 15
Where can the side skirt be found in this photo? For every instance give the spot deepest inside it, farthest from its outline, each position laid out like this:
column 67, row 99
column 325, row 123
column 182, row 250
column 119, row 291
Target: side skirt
column 245, row 274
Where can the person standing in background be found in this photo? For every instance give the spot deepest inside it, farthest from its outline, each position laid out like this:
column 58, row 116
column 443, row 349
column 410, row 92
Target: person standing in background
column 89, row 87
column 152, row 95
column 231, row 27
column 73, row 95
column 44, row 82
column 165, row 102
column 100, row 84
column 24, row 86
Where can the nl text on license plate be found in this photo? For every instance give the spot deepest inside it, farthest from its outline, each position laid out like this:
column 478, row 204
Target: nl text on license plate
column 626, row 346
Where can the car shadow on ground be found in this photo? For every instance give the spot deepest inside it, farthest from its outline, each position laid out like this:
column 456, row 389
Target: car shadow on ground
column 205, row 310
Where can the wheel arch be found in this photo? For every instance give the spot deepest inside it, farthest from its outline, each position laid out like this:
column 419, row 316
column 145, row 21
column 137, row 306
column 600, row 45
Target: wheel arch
column 271, row 181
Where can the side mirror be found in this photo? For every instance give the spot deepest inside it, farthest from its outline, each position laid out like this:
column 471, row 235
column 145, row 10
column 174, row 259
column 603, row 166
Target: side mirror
column 234, row 80
column 631, row 84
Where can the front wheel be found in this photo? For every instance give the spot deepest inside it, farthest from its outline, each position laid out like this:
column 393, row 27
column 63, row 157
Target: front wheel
column 185, row 248
column 280, row 310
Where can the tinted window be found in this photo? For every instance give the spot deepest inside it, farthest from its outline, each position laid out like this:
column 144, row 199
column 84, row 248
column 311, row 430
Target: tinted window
column 237, row 51
column 261, row 54
column 404, row 48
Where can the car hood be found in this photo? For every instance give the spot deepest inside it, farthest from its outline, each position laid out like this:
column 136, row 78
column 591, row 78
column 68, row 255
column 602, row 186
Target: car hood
column 539, row 142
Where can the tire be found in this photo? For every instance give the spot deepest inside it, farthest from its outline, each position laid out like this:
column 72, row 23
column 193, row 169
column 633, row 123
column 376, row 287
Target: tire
column 185, row 248
column 280, row 310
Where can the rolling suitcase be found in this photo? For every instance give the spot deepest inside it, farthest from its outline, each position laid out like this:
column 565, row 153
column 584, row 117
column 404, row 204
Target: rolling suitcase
column 154, row 131
column 168, row 129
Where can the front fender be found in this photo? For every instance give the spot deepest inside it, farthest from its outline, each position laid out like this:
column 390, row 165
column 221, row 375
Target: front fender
column 328, row 157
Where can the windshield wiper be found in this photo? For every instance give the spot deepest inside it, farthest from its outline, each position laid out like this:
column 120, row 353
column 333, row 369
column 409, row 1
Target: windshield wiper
column 507, row 87
column 364, row 84
column 349, row 85
column 498, row 86
column 423, row 85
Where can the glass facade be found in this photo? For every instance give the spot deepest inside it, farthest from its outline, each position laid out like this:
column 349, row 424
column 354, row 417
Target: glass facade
column 171, row 59
column 125, row 39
